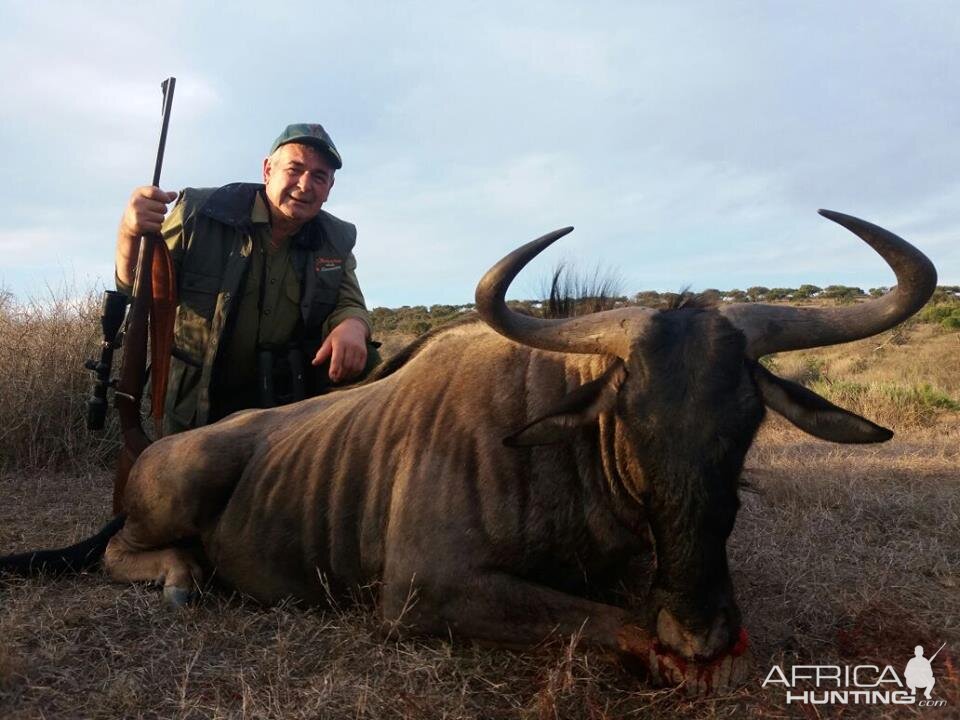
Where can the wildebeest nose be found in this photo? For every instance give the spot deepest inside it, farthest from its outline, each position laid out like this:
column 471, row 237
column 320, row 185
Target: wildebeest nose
column 721, row 634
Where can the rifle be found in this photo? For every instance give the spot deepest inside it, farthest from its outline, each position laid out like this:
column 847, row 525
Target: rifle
column 151, row 304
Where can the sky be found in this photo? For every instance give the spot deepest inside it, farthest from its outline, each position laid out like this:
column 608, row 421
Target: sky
column 689, row 143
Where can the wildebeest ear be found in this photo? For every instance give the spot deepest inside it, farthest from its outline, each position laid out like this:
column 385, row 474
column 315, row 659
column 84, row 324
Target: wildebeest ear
column 581, row 407
column 814, row 414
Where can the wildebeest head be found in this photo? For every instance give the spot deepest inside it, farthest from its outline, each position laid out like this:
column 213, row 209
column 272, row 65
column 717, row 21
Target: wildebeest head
column 685, row 398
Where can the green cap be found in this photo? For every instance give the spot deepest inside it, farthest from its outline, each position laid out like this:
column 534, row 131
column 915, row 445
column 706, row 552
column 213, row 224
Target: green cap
column 312, row 135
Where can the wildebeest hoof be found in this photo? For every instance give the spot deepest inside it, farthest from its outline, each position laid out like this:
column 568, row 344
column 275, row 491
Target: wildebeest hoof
column 177, row 597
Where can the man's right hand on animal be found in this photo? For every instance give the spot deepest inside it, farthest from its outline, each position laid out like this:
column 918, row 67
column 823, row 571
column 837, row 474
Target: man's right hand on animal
column 345, row 348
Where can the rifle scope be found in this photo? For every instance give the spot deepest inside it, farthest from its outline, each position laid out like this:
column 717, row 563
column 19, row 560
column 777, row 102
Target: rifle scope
column 111, row 317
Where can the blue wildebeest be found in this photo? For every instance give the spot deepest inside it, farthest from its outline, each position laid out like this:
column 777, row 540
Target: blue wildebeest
column 506, row 471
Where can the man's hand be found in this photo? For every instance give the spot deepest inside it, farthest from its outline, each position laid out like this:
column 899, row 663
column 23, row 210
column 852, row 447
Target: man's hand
column 144, row 214
column 145, row 211
column 346, row 348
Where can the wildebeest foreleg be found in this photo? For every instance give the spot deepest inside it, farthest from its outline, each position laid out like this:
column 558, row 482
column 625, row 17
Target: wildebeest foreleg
column 511, row 612
column 516, row 613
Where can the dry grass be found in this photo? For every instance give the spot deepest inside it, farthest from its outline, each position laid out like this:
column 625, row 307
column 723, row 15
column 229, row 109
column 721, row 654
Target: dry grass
column 44, row 386
column 905, row 379
column 840, row 554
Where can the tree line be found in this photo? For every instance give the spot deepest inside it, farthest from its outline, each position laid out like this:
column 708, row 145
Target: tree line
column 943, row 308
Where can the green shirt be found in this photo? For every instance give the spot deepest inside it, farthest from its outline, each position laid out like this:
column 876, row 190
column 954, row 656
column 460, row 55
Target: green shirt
column 269, row 304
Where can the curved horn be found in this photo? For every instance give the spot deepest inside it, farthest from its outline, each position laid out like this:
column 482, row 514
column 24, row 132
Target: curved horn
column 774, row 328
column 608, row 332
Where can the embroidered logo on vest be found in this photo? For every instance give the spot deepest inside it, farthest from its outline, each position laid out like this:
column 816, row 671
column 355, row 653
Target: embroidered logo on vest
column 327, row 263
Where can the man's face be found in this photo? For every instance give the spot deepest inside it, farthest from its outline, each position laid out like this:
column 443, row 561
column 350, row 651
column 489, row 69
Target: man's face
column 298, row 180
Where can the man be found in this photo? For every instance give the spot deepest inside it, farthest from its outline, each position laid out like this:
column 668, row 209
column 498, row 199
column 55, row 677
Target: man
column 265, row 278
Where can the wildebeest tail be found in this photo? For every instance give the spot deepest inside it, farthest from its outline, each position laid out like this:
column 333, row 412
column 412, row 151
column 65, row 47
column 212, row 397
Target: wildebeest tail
column 82, row 555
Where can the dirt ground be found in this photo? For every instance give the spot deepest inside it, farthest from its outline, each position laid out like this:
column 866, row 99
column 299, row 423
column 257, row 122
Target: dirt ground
column 846, row 555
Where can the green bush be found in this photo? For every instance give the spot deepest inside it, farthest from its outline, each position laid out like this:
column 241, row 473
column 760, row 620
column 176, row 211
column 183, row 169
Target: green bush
column 812, row 370
column 414, row 320
column 936, row 313
column 952, row 321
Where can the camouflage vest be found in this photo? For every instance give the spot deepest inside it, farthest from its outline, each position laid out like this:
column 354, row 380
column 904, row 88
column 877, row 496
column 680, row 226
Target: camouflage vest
column 213, row 260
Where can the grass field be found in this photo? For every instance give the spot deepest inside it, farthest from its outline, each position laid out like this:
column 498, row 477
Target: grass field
column 841, row 554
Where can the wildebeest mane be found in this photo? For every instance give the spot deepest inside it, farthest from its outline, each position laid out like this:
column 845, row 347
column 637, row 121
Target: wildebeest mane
column 573, row 293
column 687, row 299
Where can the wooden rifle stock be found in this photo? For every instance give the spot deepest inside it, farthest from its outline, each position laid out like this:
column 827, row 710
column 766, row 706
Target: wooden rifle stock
column 154, row 294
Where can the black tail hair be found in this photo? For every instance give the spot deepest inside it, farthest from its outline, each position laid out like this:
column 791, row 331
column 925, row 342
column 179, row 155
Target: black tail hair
column 75, row 558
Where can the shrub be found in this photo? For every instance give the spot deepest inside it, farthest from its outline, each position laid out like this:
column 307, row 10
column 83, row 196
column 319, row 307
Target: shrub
column 952, row 321
column 413, row 320
column 937, row 313
column 812, row 370
column 943, row 309
column 808, row 291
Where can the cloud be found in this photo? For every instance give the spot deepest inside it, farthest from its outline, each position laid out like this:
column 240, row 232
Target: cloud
column 42, row 263
column 23, row 247
column 689, row 142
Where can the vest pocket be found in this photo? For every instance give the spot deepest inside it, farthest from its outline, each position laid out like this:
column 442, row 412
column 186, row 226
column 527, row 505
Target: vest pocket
column 182, row 391
column 322, row 303
column 199, row 292
column 198, row 301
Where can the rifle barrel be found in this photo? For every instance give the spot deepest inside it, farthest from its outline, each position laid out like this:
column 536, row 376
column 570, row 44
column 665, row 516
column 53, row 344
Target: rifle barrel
column 167, row 86
column 133, row 373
